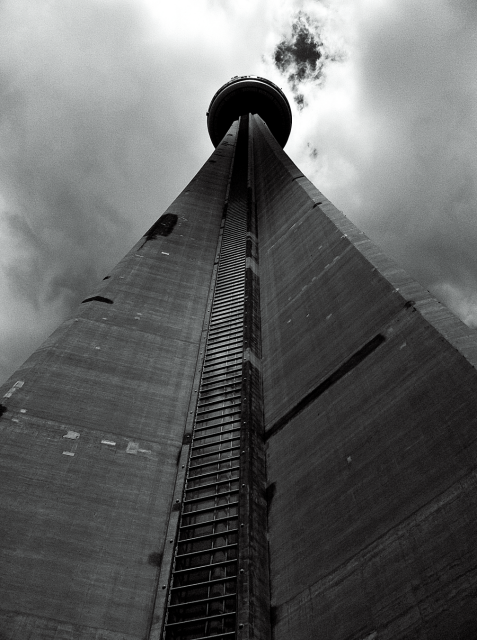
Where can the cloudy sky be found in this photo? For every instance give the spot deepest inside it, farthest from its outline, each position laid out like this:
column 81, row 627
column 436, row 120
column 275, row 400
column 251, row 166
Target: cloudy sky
column 102, row 124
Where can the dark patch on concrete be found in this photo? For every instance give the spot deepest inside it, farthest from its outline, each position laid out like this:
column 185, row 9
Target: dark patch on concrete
column 3, row 408
column 187, row 438
column 450, row 625
column 270, row 492
column 155, row 559
column 273, row 615
column 345, row 368
column 409, row 303
column 317, row 204
column 98, row 299
column 106, row 277
column 176, row 506
column 162, row 227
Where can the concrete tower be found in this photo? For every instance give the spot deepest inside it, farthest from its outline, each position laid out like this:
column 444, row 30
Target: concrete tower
column 256, row 427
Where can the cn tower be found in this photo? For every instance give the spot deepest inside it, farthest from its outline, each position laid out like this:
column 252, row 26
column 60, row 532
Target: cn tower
column 257, row 427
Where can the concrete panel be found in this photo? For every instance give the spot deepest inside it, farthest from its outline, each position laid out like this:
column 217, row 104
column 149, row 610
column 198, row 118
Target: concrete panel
column 370, row 409
column 92, row 432
column 321, row 300
column 373, row 508
column 109, row 377
column 77, row 544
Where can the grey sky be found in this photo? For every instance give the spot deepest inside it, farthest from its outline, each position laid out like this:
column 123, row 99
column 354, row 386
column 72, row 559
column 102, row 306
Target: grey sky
column 102, row 124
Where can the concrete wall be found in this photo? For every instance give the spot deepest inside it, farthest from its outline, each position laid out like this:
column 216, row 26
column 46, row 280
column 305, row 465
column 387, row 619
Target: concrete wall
column 370, row 410
column 370, row 401
column 91, row 435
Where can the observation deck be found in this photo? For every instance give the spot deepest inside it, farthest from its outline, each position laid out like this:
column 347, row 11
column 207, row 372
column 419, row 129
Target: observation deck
column 249, row 94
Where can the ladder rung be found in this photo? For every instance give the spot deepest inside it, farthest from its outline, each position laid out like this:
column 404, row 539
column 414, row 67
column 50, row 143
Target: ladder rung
column 229, row 381
column 204, row 475
column 213, row 453
column 209, row 535
column 209, row 485
column 207, row 522
column 224, row 325
column 219, row 424
column 214, row 435
column 216, row 444
column 206, row 464
column 225, row 547
column 212, row 617
column 225, row 408
column 203, row 601
column 199, row 584
column 224, row 349
column 224, row 300
column 230, row 266
column 229, row 283
column 222, row 363
column 232, row 311
column 230, row 335
column 213, row 508
column 235, row 413
column 220, row 391
column 206, row 566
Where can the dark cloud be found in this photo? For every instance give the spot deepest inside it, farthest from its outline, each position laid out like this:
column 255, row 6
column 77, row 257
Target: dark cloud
column 84, row 149
column 300, row 101
column 102, row 124
column 313, row 153
column 302, row 56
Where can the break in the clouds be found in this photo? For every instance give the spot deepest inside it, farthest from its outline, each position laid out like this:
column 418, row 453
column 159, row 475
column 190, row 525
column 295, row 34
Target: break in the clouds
column 302, row 56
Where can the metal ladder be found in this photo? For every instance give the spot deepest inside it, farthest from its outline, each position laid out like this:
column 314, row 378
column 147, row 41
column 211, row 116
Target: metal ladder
column 202, row 596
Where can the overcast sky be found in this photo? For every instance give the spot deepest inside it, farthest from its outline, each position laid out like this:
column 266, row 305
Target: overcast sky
column 102, row 124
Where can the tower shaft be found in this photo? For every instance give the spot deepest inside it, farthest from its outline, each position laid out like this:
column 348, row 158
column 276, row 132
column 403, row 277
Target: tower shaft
column 256, row 426
column 93, row 440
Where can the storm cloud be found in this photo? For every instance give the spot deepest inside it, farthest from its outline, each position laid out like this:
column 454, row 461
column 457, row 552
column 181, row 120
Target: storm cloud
column 93, row 123
column 102, row 124
column 302, row 56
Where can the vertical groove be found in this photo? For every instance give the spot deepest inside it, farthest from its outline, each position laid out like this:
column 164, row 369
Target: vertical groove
column 253, row 584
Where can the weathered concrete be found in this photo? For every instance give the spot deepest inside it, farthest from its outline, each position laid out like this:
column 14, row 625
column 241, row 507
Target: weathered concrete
column 371, row 416
column 92, row 434
column 369, row 402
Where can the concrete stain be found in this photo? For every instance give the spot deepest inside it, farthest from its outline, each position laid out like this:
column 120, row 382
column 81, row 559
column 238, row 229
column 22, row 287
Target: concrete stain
column 163, row 227
column 98, row 299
